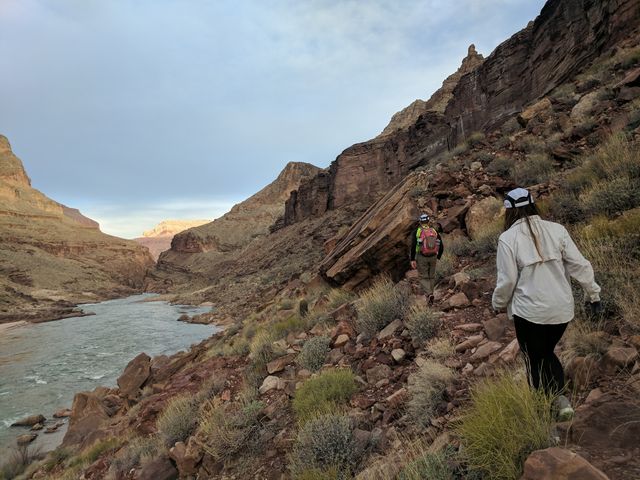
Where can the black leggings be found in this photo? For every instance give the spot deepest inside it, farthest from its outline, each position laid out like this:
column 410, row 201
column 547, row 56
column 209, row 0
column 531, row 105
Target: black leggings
column 537, row 342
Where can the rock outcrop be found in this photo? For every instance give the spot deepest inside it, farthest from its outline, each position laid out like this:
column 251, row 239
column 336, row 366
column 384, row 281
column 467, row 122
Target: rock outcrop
column 52, row 256
column 158, row 239
column 439, row 100
column 528, row 65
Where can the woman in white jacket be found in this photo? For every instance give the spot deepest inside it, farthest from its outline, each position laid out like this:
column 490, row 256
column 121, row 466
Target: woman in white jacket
column 534, row 261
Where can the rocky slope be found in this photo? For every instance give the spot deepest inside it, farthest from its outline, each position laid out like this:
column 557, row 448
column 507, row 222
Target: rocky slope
column 212, row 253
column 529, row 64
column 158, row 239
column 51, row 256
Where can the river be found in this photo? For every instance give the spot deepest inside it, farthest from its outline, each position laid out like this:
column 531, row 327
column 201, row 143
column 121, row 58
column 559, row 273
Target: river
column 43, row 365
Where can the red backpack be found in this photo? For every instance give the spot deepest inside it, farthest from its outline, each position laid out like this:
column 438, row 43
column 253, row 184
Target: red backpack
column 429, row 244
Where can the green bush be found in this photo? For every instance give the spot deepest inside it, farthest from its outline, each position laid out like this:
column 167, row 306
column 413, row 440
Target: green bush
column 612, row 196
column 314, row 353
column 324, row 394
column 426, row 388
column 422, row 323
column 282, row 328
column 178, row 420
column 379, row 305
column 504, row 423
column 460, row 246
column 225, row 432
column 565, row 207
column 535, row 169
column 324, row 443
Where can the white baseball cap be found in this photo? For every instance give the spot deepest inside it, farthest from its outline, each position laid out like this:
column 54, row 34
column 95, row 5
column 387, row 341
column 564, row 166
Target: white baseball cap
column 518, row 197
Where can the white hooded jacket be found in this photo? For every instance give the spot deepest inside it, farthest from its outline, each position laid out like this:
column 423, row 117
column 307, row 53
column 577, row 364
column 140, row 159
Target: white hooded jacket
column 538, row 289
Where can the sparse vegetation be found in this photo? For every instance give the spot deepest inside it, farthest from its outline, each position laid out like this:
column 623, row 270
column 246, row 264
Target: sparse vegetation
column 475, row 139
column 511, row 126
column 446, row 265
column 262, row 349
column 325, row 443
column 584, row 339
column 282, row 328
column 178, row 420
column 486, row 240
column 535, row 169
column 501, row 166
column 314, row 353
column 433, row 466
column 226, row 431
column 422, row 323
column 505, row 422
column 324, row 394
column 426, row 387
column 379, row 305
column 18, row 461
column 459, row 245
column 440, row 348
column 338, row 297
column 138, row 450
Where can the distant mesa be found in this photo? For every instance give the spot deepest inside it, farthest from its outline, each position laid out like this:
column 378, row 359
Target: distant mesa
column 158, row 239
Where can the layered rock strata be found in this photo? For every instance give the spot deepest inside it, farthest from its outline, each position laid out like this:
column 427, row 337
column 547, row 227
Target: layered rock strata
column 51, row 256
column 565, row 37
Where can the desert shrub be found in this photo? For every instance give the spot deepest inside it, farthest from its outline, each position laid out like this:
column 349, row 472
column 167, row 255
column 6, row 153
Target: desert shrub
column 433, row 466
column 285, row 304
column 319, row 318
column 504, row 423
column 529, row 144
column 422, row 323
column 612, row 196
column 634, row 119
column 324, row 394
column 584, row 339
column 486, row 240
column 303, row 307
column 502, row 142
column 511, row 126
column 501, row 166
column 426, row 387
column 565, row 93
column 338, row 297
column 440, row 348
column 314, row 352
column 262, row 349
column 566, row 208
column 475, row 139
column 460, row 149
column 483, row 157
column 282, row 328
column 129, row 456
column 18, row 460
column 379, row 305
column 326, row 442
column 178, row 419
column 56, row 457
column 459, row 245
column 628, row 58
column 445, row 266
column 211, row 387
column 535, row 169
column 226, row 431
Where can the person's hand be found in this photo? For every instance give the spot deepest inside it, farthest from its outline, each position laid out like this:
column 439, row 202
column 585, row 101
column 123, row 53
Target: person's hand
column 414, row 265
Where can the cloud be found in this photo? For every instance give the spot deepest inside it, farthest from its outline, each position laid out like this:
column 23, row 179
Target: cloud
column 114, row 102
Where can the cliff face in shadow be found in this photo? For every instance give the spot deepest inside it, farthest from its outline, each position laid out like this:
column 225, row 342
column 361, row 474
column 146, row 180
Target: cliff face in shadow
column 51, row 256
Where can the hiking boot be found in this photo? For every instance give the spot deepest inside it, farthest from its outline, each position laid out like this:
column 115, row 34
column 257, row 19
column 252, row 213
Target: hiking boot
column 564, row 409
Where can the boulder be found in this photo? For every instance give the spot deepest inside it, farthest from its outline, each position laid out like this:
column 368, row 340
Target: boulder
column 159, row 468
column 377, row 373
column 62, row 413
column 539, row 110
column 186, row 457
column 460, row 277
column 469, row 343
column 495, row 327
column 397, row 398
column 459, row 300
column 390, row 330
column 26, row 439
column 341, row 340
column 37, row 426
column 29, row 421
column 398, row 354
column 559, row 464
column 134, row 376
column 271, row 383
column 582, row 110
column 279, row 364
column 510, row 352
column 484, row 351
column 88, row 415
column 482, row 214
column 618, row 358
column 606, row 423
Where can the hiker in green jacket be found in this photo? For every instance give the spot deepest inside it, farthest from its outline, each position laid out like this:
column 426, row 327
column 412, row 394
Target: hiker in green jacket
column 426, row 248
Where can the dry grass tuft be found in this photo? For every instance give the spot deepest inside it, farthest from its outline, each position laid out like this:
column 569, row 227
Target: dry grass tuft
column 426, row 387
column 178, row 420
column 422, row 323
column 325, row 393
column 379, row 305
column 314, row 352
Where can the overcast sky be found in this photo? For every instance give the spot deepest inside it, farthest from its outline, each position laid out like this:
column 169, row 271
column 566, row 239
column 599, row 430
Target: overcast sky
column 137, row 111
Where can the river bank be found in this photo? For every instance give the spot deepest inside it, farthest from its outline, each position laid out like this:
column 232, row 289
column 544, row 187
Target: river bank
column 42, row 365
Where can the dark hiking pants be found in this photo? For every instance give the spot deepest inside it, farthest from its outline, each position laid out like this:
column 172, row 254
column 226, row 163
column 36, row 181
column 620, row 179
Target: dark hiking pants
column 537, row 343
